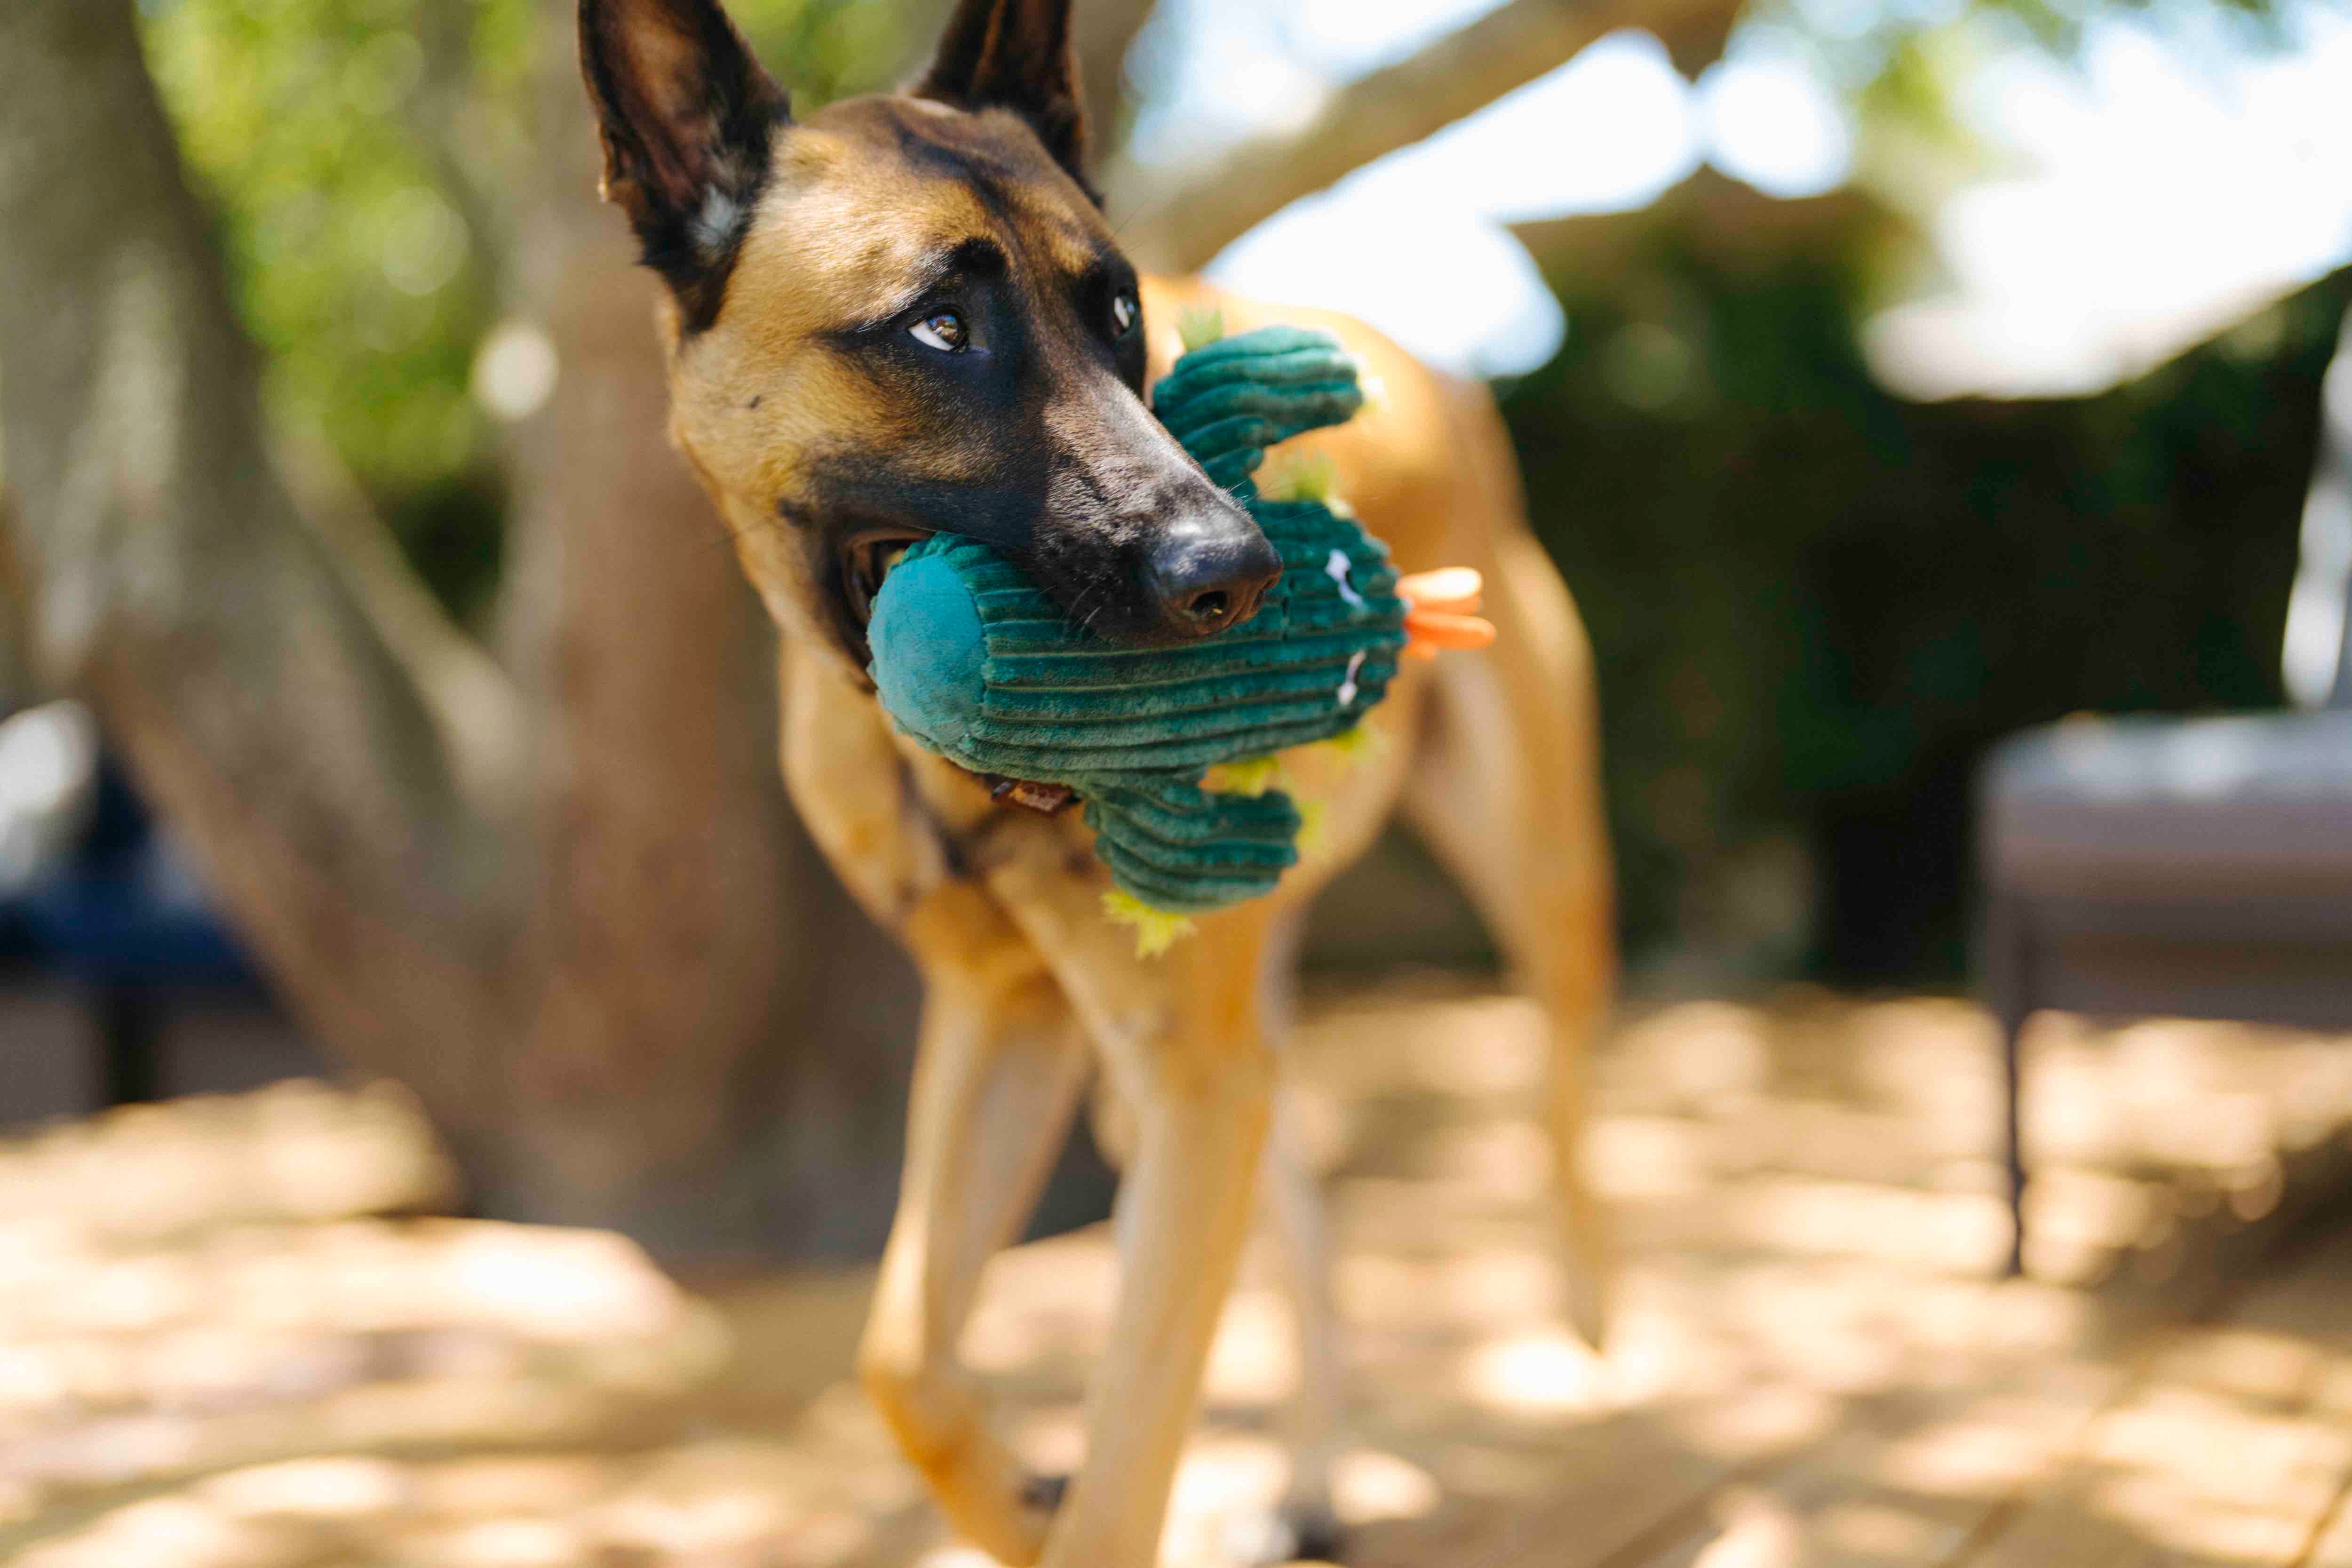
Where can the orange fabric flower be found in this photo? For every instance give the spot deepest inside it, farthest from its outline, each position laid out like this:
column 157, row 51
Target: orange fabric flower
column 1441, row 611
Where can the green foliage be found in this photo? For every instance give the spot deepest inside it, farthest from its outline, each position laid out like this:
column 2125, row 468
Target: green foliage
column 1814, row 604
column 356, row 150
column 825, row 49
column 1898, row 56
column 315, row 123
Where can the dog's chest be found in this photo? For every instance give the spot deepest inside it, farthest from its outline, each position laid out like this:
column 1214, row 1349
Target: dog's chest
column 978, row 832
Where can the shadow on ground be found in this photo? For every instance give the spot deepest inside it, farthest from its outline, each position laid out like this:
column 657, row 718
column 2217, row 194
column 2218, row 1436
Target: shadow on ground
column 230, row 1336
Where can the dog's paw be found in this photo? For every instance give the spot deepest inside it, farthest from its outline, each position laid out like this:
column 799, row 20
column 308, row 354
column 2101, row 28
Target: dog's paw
column 1294, row 1533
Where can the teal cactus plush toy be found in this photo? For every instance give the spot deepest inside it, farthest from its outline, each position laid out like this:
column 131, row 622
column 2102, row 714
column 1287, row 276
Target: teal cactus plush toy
column 976, row 663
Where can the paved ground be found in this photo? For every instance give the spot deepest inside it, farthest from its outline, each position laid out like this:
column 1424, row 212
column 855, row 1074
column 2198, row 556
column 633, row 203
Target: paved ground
column 214, row 1353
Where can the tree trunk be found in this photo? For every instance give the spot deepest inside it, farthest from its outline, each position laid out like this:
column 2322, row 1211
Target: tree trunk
column 682, row 924
column 571, row 910
column 170, row 578
column 1102, row 31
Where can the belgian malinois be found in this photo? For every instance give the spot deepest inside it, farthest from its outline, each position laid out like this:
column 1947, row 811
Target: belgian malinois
column 906, row 314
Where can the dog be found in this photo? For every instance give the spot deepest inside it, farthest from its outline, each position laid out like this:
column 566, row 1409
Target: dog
column 905, row 314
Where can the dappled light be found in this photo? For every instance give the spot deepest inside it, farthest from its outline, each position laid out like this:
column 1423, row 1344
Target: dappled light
column 225, row 1347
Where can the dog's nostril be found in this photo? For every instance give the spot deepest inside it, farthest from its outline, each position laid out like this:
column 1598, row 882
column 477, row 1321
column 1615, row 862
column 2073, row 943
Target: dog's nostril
column 1208, row 608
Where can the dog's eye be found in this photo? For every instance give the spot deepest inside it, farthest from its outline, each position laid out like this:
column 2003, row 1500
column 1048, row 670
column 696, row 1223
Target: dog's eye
column 1123, row 312
column 943, row 330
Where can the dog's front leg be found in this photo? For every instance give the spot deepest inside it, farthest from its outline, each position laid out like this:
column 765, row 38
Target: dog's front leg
column 1201, row 1093
column 1186, row 1037
column 1292, row 1200
column 997, row 1076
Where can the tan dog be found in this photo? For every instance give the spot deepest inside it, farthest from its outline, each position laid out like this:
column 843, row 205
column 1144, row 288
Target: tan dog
column 906, row 314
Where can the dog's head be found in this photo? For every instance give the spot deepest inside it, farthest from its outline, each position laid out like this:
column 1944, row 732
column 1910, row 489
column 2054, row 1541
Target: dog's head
column 906, row 315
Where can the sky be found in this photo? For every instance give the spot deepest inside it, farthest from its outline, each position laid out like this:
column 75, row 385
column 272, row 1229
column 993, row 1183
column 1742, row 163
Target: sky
column 2145, row 197
column 2167, row 189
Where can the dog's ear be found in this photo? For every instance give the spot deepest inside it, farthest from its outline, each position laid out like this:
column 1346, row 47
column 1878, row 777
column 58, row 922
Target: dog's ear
column 1015, row 54
column 686, row 114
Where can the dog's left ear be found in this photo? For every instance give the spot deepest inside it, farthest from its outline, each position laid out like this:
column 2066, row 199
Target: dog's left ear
column 687, row 115
column 1015, row 54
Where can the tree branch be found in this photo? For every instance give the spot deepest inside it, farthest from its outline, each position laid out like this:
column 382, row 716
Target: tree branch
column 1103, row 31
column 436, row 121
column 476, row 710
column 17, row 688
column 1728, row 221
column 1179, row 221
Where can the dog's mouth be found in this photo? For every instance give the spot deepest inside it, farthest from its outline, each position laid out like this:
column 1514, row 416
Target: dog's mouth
column 866, row 560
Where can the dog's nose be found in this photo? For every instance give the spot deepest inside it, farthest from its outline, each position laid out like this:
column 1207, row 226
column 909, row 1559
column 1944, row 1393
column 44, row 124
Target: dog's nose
column 1207, row 573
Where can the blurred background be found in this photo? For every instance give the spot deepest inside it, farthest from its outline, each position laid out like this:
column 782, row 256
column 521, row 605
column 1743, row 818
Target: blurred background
column 382, row 704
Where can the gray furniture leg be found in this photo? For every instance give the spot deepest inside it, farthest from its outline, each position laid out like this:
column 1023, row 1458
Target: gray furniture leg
column 2011, row 1029
column 2006, row 968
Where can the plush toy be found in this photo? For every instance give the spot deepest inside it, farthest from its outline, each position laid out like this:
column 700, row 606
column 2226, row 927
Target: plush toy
column 976, row 663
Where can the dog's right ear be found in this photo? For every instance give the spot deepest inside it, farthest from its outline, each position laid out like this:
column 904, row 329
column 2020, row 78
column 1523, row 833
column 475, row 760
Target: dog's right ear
column 686, row 114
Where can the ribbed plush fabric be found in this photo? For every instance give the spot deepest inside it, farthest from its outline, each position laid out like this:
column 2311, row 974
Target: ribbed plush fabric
column 972, row 659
